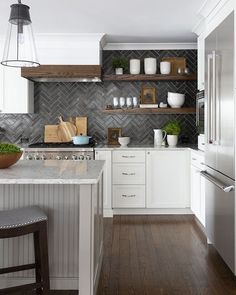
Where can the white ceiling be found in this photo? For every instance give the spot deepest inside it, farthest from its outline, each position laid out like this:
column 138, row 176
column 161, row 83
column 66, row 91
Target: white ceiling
column 129, row 21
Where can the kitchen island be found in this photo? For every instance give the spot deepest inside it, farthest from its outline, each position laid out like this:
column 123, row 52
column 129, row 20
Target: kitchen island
column 71, row 194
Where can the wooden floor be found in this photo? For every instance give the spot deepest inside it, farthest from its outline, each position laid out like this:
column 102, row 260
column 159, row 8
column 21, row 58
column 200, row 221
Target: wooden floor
column 152, row 255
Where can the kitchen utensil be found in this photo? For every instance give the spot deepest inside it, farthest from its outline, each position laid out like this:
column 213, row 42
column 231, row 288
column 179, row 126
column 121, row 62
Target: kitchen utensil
column 159, row 136
column 115, row 102
column 175, row 100
column 134, row 66
column 176, row 62
column 66, row 130
column 150, row 66
column 81, row 125
column 51, row 133
column 129, row 102
column 165, row 67
column 135, row 102
column 124, row 141
column 81, row 139
column 122, row 102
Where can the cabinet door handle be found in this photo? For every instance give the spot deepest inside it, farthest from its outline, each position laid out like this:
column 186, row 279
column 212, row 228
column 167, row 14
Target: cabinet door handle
column 127, row 157
column 128, row 174
column 128, row 196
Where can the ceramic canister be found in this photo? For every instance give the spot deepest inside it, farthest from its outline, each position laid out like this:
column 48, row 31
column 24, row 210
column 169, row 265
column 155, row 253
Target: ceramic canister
column 134, row 66
column 165, row 67
column 150, row 66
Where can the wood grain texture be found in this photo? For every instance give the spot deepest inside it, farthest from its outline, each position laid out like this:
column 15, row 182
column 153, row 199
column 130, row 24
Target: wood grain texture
column 152, row 111
column 167, row 255
column 157, row 77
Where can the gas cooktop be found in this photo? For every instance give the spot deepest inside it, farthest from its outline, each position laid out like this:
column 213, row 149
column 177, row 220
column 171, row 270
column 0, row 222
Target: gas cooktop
column 60, row 145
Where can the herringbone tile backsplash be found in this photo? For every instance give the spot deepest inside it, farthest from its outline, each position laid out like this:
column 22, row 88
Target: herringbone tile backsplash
column 89, row 99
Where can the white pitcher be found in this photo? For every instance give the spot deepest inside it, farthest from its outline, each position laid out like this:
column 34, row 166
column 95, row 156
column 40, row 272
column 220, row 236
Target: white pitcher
column 159, row 136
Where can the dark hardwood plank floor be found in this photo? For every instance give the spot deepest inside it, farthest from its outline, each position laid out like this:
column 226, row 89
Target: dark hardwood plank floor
column 152, row 255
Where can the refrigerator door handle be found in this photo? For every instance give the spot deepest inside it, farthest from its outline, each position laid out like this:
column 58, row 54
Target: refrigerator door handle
column 213, row 103
column 216, row 182
column 209, row 102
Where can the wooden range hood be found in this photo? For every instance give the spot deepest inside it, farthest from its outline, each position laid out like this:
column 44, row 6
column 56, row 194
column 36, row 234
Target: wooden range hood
column 63, row 73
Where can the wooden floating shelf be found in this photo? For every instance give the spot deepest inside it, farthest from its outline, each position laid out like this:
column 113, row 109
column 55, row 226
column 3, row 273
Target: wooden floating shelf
column 157, row 77
column 151, row 111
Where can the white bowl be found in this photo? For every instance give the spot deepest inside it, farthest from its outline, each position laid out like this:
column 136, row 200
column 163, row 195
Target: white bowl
column 175, row 100
column 124, row 141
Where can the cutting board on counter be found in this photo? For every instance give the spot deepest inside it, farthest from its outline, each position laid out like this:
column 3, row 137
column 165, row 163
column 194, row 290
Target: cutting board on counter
column 81, row 124
column 51, row 133
column 66, row 130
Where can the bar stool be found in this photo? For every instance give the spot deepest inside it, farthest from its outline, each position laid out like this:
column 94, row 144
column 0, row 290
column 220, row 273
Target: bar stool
column 23, row 221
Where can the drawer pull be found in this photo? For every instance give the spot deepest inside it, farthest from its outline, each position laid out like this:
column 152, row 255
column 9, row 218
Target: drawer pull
column 128, row 174
column 128, row 196
column 128, row 157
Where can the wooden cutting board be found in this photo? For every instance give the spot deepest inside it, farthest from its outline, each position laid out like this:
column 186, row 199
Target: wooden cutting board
column 51, row 133
column 176, row 62
column 81, row 125
column 66, row 130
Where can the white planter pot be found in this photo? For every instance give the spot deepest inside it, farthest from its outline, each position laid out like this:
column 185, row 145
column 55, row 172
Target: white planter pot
column 172, row 140
column 150, row 66
column 165, row 67
column 134, row 66
column 119, row 71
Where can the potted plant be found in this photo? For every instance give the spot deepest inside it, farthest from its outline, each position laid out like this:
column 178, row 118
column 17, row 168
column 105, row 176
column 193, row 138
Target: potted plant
column 9, row 154
column 120, row 64
column 173, row 130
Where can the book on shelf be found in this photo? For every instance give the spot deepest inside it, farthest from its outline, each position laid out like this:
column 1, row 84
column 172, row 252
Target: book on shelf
column 149, row 106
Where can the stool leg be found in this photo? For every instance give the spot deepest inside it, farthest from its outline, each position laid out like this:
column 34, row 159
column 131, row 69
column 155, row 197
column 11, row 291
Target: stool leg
column 41, row 259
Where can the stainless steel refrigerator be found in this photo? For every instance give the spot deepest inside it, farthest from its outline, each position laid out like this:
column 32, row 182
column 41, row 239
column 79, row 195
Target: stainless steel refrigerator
column 220, row 161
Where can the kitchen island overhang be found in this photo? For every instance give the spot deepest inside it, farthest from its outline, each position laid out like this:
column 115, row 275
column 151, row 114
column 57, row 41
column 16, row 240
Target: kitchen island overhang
column 71, row 194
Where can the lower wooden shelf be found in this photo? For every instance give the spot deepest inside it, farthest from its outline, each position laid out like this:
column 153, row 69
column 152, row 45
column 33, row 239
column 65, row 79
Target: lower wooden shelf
column 151, row 111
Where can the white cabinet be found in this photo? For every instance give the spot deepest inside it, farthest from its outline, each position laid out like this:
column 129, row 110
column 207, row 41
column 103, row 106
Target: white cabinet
column 107, row 181
column 201, row 62
column 167, row 176
column 197, row 187
column 17, row 93
column 129, row 196
column 132, row 173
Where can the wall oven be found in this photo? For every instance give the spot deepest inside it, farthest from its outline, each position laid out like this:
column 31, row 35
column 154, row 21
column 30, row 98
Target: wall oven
column 200, row 109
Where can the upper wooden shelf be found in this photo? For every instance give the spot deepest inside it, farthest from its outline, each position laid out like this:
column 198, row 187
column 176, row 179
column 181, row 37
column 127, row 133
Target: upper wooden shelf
column 152, row 111
column 157, row 77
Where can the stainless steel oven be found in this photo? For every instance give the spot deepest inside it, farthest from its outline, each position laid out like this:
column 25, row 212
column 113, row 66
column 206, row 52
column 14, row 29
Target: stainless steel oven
column 200, row 110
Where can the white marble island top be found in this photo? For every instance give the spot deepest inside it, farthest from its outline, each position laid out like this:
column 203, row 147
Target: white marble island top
column 52, row 172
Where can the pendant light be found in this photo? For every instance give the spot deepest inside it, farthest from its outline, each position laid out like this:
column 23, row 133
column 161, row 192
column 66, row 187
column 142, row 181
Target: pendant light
column 20, row 50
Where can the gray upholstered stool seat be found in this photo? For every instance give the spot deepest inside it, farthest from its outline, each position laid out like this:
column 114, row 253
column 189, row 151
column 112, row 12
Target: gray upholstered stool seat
column 20, row 222
column 20, row 217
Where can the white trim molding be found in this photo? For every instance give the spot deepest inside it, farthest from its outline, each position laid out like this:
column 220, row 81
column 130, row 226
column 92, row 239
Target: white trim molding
column 149, row 46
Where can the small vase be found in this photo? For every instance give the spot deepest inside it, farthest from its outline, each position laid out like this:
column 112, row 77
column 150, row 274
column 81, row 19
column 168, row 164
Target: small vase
column 119, row 71
column 134, row 66
column 150, row 66
column 172, row 140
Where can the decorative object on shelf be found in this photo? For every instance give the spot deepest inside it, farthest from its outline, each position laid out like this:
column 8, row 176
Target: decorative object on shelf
column 135, row 102
column 163, row 105
column 115, row 102
column 159, row 136
column 149, row 106
column 134, row 66
column 165, row 67
column 122, row 102
column 124, row 141
column 113, row 134
column 9, row 155
column 186, row 71
column 120, row 64
column 109, row 107
column 173, row 130
column 180, row 71
column 175, row 100
column 20, row 49
column 150, row 66
column 176, row 62
column 148, row 95
column 129, row 102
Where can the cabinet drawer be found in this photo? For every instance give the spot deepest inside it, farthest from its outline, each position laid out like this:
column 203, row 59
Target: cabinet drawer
column 128, row 174
column 128, row 196
column 198, row 160
column 129, row 156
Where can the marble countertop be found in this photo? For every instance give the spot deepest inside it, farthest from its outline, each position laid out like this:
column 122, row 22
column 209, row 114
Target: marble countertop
column 52, row 172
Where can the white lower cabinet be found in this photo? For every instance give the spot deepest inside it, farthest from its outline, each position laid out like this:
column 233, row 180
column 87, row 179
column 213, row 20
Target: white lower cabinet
column 197, row 187
column 107, row 180
column 131, row 173
column 167, row 174
column 129, row 196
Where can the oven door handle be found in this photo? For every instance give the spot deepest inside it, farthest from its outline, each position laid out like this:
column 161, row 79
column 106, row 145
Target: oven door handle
column 216, row 182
